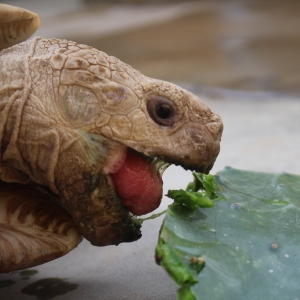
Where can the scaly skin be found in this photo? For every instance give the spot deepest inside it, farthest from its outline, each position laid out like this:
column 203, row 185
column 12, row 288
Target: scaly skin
column 69, row 113
column 33, row 228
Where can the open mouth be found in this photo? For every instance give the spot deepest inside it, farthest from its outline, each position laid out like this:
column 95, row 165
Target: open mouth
column 138, row 182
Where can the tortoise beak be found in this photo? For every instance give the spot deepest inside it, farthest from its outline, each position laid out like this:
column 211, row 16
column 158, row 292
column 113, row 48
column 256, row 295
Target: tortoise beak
column 199, row 150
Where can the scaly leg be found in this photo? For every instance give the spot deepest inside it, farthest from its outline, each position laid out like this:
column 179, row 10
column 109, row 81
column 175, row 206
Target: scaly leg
column 34, row 228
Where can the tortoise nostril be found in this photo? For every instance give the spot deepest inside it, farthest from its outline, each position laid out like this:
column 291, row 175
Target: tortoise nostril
column 216, row 129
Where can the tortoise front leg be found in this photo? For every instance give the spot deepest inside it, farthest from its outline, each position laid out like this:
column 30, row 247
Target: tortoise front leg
column 34, row 228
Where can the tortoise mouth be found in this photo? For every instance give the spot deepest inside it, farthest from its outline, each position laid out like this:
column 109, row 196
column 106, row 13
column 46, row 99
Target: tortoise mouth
column 105, row 215
column 129, row 185
column 138, row 182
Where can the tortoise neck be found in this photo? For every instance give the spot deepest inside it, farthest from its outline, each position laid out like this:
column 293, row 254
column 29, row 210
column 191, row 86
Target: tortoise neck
column 15, row 82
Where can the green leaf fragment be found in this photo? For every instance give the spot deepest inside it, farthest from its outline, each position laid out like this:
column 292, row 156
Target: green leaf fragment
column 205, row 183
column 197, row 263
column 190, row 199
column 198, row 193
column 178, row 270
column 184, row 293
column 139, row 221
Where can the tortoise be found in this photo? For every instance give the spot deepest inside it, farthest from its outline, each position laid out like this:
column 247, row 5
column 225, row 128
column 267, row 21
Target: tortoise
column 84, row 141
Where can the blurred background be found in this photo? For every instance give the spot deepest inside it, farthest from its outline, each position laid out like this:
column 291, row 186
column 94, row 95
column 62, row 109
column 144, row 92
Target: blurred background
column 250, row 45
column 241, row 57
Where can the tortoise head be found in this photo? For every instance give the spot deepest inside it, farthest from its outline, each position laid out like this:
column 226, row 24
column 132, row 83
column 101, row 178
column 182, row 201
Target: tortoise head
column 102, row 135
column 109, row 98
column 111, row 110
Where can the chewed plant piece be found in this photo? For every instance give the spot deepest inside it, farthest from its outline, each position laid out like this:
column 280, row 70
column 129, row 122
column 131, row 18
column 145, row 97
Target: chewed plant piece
column 203, row 182
column 139, row 221
column 198, row 193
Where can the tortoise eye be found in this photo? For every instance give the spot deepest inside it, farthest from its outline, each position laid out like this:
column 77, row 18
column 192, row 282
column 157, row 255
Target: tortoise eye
column 164, row 111
column 161, row 110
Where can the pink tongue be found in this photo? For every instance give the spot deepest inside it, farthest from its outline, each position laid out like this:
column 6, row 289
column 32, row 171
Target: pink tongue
column 138, row 185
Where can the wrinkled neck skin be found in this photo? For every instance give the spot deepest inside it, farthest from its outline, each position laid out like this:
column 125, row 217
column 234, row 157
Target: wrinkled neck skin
column 68, row 114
